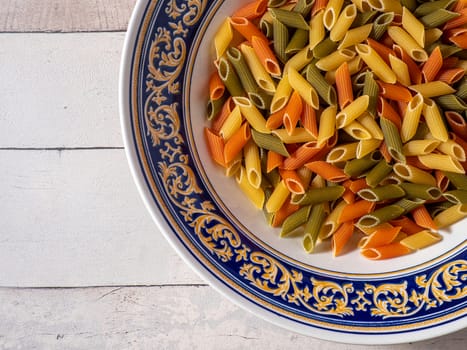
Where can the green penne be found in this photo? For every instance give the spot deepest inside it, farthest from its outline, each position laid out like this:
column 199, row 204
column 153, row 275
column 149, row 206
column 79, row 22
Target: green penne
column 380, row 216
column 289, row 18
column 357, row 167
column 446, row 50
column 451, row 102
column 409, row 204
column 276, row 3
column 425, row 192
column 214, row 107
column 378, row 173
column 456, row 196
column 323, row 88
column 281, row 39
column 410, row 4
column 230, row 78
column 381, row 24
column 392, row 139
column 269, row 142
column 313, row 226
column 428, row 7
column 319, row 195
column 298, row 41
column 324, row 48
column 439, row 207
column 273, row 177
column 459, row 181
column 267, row 28
column 295, row 220
column 381, row 193
column 304, row 7
column 247, row 80
column 462, row 89
column 363, row 18
column 438, row 17
column 370, row 88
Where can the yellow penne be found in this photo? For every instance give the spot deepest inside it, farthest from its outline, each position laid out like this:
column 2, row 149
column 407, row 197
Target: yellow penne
column 401, row 70
column 434, row 121
column 441, row 162
column 420, row 147
column 327, row 125
column 251, row 114
column 354, row 65
column 278, row 196
column 317, row 31
column 432, row 35
column 234, row 166
column 343, row 23
column 376, row 63
column 231, row 124
column 357, row 131
column 330, row 224
column 223, row 37
column 412, row 117
column 300, row 59
column 414, row 174
column 299, row 135
column 261, row 76
column 362, row 5
column 303, row 87
column 421, row 239
column 413, row 26
column 355, row 36
column 331, row 13
column 367, row 146
column 256, row 195
column 335, row 59
column 451, row 215
column 404, row 40
column 385, row 5
column 371, row 125
column 282, row 94
column 433, row 89
column 342, row 153
column 252, row 163
column 453, row 149
column 352, row 111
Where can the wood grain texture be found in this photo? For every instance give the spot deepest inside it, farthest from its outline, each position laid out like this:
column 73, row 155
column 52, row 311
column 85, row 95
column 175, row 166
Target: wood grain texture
column 65, row 15
column 60, row 90
column 153, row 318
column 74, row 218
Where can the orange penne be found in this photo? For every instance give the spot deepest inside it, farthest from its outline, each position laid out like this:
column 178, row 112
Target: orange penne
column 236, row 142
column 276, row 119
column 318, row 6
column 215, row 146
column 451, row 76
column 274, row 160
column 382, row 50
column 458, row 21
column 414, row 71
column 246, row 28
column 356, row 210
column 216, row 86
column 442, row 181
column 457, row 123
column 380, row 237
column 422, row 217
column 407, row 225
column 385, row 252
column 344, row 85
column 252, row 10
column 433, row 65
column 292, row 181
column 283, row 213
column 385, row 110
column 395, row 92
column 450, row 62
column 356, row 185
column 308, row 120
column 224, row 113
column 301, row 155
column 292, row 112
column 341, row 237
column 385, row 152
column 265, row 55
column 459, row 40
column 327, row 171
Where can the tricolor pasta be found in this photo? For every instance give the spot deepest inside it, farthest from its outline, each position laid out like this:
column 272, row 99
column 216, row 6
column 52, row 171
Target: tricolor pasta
column 340, row 118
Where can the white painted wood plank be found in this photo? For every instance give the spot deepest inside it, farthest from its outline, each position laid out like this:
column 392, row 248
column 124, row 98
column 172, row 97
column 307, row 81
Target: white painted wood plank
column 64, row 15
column 60, row 90
column 74, row 218
column 153, row 318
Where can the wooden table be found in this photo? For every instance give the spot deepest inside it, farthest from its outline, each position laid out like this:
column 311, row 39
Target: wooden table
column 82, row 265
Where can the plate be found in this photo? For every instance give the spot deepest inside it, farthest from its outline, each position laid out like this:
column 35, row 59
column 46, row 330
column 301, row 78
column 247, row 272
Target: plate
column 163, row 94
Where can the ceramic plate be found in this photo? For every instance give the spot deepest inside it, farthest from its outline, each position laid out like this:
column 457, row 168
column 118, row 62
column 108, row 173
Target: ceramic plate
column 164, row 77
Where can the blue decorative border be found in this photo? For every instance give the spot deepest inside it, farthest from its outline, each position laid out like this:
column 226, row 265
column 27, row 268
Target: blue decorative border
column 394, row 305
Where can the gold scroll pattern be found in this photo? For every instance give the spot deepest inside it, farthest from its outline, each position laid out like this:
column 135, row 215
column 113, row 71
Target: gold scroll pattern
column 166, row 59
